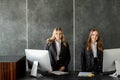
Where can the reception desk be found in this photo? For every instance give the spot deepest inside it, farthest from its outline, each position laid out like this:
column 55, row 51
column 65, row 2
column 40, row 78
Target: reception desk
column 12, row 67
column 73, row 75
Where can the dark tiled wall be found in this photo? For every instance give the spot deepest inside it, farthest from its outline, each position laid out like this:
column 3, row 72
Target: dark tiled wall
column 28, row 23
column 44, row 16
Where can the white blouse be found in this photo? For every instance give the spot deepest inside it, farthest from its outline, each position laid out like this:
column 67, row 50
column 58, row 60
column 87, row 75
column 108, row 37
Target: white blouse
column 94, row 49
column 58, row 48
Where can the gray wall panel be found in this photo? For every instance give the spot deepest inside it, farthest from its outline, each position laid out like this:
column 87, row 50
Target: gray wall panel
column 101, row 14
column 12, row 27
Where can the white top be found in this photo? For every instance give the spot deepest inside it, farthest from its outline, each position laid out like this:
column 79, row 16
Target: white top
column 58, row 48
column 94, row 49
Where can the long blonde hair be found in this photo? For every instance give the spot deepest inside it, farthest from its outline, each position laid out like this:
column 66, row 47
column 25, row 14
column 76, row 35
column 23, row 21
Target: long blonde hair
column 52, row 38
column 99, row 40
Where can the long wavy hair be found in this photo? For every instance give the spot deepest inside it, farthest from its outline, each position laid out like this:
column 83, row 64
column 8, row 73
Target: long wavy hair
column 99, row 40
column 52, row 38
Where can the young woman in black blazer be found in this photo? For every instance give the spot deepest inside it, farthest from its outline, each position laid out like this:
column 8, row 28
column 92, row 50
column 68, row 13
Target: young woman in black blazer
column 58, row 50
column 92, row 53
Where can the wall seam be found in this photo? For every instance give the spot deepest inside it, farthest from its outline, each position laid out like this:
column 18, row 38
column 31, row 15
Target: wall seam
column 73, row 35
column 27, row 24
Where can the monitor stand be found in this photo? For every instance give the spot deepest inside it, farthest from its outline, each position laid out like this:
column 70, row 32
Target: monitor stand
column 117, row 66
column 34, row 70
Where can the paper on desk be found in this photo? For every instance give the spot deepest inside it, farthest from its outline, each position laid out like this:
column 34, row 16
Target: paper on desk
column 59, row 72
column 85, row 74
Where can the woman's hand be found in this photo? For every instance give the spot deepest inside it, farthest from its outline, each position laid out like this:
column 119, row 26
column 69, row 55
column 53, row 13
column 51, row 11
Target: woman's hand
column 62, row 68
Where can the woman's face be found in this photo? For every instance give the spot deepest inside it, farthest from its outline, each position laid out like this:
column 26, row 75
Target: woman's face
column 58, row 35
column 94, row 36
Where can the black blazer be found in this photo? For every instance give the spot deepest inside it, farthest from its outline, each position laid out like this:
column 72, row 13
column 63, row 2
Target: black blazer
column 87, row 60
column 64, row 57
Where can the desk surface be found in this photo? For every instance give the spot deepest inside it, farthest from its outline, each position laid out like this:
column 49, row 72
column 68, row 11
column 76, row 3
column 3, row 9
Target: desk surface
column 10, row 58
column 71, row 76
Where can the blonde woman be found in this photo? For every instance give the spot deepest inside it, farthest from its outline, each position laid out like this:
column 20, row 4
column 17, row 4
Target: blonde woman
column 92, row 53
column 58, row 50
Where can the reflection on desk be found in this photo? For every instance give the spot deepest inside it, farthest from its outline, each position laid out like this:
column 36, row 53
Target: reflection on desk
column 71, row 76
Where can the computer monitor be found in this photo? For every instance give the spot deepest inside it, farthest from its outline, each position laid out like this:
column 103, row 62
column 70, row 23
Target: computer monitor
column 40, row 56
column 109, row 57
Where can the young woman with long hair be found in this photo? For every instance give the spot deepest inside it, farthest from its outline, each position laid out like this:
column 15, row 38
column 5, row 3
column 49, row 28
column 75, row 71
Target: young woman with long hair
column 92, row 53
column 59, row 51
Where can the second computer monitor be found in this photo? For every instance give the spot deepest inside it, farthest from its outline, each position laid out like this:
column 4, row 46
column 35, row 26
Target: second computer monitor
column 109, row 57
